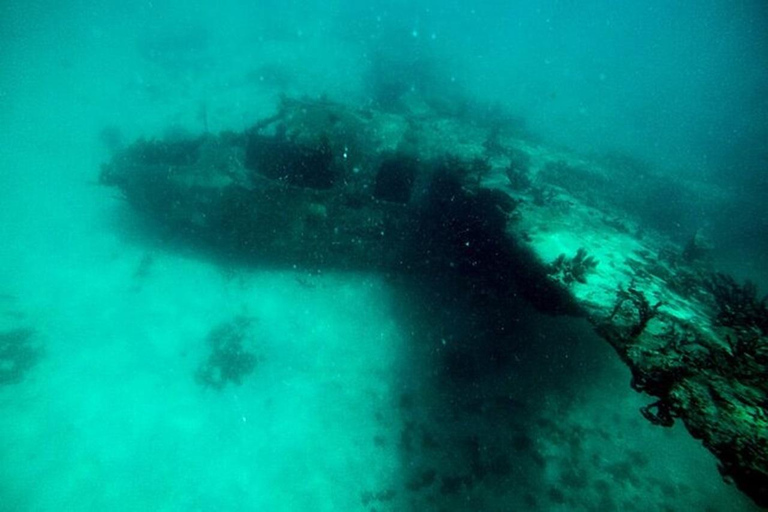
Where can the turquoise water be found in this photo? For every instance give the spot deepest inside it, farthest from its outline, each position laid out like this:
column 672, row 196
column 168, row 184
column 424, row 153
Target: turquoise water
column 349, row 407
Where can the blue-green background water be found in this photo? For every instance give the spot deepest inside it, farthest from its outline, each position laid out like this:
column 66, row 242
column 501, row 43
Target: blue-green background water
column 348, row 403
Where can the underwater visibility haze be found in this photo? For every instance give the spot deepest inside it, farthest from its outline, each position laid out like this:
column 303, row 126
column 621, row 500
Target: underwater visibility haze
column 383, row 255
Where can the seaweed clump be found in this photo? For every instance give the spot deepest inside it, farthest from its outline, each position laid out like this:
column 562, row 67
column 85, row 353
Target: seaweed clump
column 738, row 305
column 229, row 361
column 573, row 269
column 640, row 309
column 18, row 355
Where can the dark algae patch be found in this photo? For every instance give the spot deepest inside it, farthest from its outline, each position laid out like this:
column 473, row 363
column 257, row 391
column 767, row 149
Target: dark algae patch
column 18, row 355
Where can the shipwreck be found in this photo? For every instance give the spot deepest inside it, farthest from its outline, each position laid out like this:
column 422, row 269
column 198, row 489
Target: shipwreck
column 324, row 185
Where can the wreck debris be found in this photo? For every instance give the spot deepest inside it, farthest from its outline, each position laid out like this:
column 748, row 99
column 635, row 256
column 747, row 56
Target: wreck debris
column 715, row 382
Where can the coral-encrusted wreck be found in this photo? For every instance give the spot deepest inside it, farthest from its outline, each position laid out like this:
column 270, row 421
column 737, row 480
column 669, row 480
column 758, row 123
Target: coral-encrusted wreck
column 324, row 185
